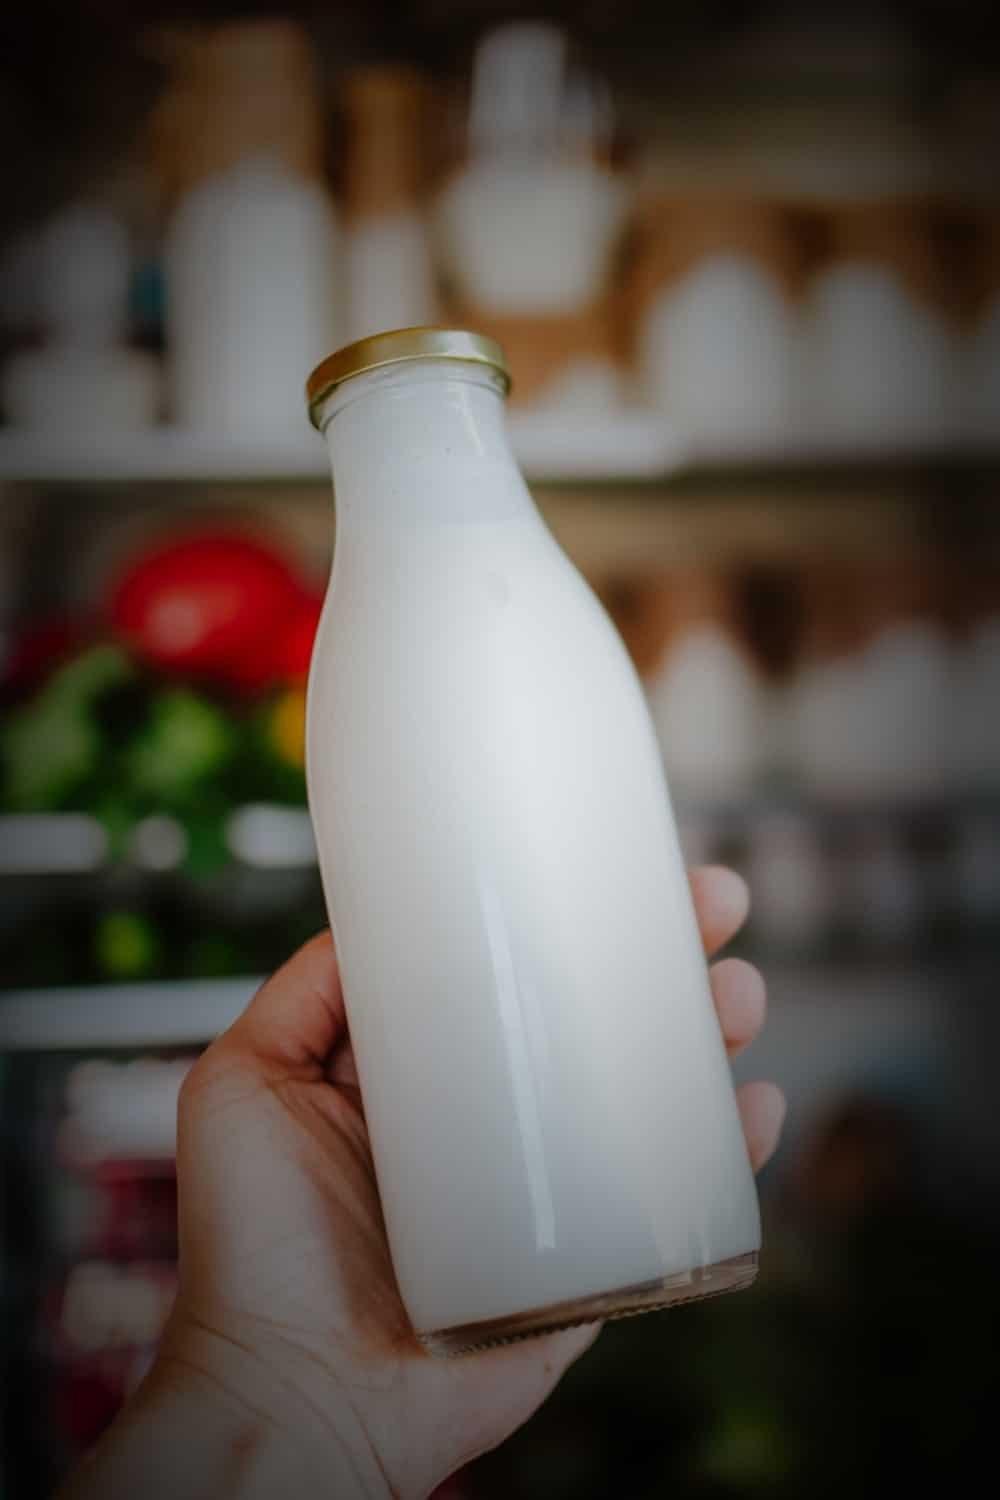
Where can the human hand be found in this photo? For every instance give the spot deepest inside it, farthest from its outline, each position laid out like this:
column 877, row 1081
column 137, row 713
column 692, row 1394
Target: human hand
column 288, row 1316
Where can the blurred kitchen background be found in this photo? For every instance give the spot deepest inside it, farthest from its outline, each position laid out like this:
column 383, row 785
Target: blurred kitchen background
column 745, row 261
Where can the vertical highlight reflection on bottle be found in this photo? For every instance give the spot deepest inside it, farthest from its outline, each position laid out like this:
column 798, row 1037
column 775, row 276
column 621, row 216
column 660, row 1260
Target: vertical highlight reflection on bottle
column 511, row 999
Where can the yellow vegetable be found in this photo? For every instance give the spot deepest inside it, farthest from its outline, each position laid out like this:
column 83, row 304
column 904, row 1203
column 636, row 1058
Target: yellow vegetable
column 288, row 727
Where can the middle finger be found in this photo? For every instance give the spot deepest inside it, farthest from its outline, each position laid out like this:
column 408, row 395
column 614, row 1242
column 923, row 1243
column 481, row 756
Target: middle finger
column 740, row 1000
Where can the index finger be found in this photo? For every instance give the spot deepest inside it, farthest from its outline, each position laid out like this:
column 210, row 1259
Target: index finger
column 297, row 1017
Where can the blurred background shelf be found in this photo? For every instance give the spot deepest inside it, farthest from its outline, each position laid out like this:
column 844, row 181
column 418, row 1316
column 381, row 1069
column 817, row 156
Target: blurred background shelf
column 635, row 448
column 155, row 455
column 270, row 836
column 121, row 1016
column 174, row 1013
column 260, row 835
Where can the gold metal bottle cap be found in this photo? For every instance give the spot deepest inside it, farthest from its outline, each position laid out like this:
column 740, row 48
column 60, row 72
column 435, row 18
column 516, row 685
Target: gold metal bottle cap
column 399, row 346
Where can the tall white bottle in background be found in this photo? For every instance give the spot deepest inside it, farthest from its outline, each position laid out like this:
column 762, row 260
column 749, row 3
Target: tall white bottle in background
column 250, row 262
column 388, row 267
column 252, row 246
column 551, row 1111
column 84, row 376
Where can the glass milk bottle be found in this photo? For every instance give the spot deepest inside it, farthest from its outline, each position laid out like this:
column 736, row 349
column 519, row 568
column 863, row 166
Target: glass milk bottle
column 552, row 1118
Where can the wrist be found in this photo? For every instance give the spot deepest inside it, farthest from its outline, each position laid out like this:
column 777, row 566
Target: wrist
column 280, row 1422
column 181, row 1435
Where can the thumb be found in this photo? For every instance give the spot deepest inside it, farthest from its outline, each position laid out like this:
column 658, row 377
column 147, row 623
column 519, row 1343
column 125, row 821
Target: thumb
column 294, row 1021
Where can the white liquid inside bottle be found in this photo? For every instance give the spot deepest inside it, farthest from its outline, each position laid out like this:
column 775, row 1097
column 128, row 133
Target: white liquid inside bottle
column 551, row 1111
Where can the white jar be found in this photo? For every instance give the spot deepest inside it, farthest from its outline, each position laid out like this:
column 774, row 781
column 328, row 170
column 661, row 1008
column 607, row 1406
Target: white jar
column 718, row 338
column 882, row 351
column 707, row 696
column 527, row 235
column 552, row 1115
column 531, row 221
column 718, row 354
column 868, row 704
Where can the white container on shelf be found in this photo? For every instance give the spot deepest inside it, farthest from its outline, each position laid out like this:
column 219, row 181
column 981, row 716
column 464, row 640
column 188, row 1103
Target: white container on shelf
column 719, row 342
column 499, row 857
column 251, row 267
column 530, row 236
column 720, row 357
column 389, row 273
column 530, row 222
column 122, row 1111
column 707, row 697
column 870, row 727
column 882, row 351
column 867, row 708
column 83, row 378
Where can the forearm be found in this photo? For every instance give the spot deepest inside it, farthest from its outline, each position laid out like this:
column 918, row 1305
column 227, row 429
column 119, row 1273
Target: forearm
column 202, row 1432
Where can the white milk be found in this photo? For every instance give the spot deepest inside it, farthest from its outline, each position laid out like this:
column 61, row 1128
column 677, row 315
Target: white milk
column 545, row 1085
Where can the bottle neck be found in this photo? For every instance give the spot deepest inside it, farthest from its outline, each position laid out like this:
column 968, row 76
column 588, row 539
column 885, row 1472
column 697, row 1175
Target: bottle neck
column 422, row 444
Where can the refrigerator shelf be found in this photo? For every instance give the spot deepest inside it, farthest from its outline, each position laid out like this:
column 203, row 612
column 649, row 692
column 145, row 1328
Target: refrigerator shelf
column 164, row 1013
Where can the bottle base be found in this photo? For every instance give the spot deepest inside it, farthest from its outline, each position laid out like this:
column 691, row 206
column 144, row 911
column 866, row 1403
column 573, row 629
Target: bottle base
column 650, row 1296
